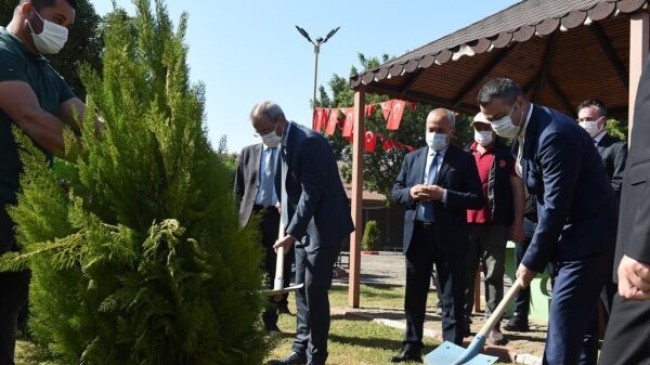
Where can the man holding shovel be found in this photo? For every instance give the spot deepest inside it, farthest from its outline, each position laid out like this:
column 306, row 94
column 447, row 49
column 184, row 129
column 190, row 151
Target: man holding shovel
column 316, row 217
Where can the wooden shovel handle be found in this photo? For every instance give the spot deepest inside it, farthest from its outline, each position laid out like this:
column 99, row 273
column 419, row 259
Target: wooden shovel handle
column 500, row 309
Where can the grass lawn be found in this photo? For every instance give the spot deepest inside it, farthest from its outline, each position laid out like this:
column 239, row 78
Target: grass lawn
column 353, row 340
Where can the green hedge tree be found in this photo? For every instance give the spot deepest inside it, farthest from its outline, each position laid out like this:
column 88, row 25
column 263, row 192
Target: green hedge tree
column 137, row 258
column 371, row 236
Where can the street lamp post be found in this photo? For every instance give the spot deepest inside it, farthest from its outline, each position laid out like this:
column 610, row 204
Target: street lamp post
column 317, row 43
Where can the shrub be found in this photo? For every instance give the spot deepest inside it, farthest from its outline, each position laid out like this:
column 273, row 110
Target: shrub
column 139, row 258
column 371, row 236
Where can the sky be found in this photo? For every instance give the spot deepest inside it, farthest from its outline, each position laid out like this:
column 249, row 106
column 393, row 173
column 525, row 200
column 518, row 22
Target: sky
column 247, row 51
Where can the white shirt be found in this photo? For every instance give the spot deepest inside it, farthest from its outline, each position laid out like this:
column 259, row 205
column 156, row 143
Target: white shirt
column 600, row 136
column 521, row 138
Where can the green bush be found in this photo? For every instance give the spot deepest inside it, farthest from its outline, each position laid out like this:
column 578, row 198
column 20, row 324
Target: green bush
column 138, row 258
column 371, row 236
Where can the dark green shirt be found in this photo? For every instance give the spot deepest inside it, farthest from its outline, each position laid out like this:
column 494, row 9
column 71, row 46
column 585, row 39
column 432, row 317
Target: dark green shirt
column 18, row 63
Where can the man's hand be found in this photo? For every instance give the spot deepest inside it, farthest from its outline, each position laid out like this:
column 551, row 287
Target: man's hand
column 420, row 193
column 525, row 275
column 517, row 234
column 633, row 279
column 285, row 242
column 435, row 192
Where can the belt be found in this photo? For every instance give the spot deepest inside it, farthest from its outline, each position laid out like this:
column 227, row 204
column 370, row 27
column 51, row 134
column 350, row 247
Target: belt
column 257, row 207
column 423, row 225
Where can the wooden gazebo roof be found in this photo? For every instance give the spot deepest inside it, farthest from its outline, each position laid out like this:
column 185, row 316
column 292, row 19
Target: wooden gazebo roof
column 587, row 58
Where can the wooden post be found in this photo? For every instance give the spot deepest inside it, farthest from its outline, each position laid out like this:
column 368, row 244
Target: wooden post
column 357, row 197
column 639, row 38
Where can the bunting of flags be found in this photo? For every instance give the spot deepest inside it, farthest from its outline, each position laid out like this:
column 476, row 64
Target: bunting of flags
column 329, row 118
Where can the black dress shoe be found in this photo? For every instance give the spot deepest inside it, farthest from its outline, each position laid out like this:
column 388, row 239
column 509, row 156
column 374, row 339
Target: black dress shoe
column 294, row 358
column 407, row 355
column 273, row 329
column 518, row 323
column 284, row 309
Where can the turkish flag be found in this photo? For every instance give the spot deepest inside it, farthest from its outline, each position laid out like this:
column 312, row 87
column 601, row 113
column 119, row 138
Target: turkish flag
column 386, row 107
column 370, row 110
column 320, row 119
column 388, row 144
column 397, row 110
column 332, row 121
column 371, row 142
column 348, row 122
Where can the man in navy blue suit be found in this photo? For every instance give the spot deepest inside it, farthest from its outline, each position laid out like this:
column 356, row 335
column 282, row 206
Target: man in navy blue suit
column 437, row 183
column 576, row 210
column 316, row 216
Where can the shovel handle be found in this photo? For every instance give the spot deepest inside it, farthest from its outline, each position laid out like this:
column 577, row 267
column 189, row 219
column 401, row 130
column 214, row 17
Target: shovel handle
column 500, row 309
column 278, row 281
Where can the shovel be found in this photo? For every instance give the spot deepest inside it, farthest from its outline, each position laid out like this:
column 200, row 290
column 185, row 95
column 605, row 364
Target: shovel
column 278, row 282
column 451, row 354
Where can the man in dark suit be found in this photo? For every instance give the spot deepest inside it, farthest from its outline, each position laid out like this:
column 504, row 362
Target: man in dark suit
column 255, row 190
column 576, row 212
column 592, row 116
column 316, row 215
column 437, row 183
column 626, row 339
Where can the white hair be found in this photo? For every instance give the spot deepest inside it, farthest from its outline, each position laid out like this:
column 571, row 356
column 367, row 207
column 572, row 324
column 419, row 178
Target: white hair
column 451, row 117
column 268, row 108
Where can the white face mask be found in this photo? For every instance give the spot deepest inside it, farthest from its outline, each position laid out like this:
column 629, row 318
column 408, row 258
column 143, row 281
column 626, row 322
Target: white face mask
column 591, row 127
column 52, row 39
column 504, row 127
column 271, row 139
column 436, row 141
column 483, row 138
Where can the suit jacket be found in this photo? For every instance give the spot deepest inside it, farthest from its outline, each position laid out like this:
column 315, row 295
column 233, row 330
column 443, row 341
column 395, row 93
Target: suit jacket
column 247, row 180
column 613, row 152
column 459, row 175
column 634, row 223
column 576, row 206
column 317, row 205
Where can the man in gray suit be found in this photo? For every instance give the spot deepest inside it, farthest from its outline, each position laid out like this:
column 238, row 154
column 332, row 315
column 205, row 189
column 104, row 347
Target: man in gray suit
column 316, row 215
column 255, row 190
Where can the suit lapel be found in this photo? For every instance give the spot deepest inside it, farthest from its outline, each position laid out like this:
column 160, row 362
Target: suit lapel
column 255, row 163
column 421, row 164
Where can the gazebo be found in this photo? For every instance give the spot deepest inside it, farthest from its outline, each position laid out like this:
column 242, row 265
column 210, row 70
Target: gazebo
column 560, row 51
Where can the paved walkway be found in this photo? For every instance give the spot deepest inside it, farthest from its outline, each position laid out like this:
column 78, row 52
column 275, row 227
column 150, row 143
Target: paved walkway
column 388, row 268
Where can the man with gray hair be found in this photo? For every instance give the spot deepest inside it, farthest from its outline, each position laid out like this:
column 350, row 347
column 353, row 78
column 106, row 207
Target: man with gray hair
column 437, row 184
column 316, row 217
column 576, row 214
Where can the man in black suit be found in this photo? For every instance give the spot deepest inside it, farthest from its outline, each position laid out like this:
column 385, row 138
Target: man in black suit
column 255, row 190
column 628, row 332
column 437, row 183
column 576, row 213
column 592, row 116
column 316, row 215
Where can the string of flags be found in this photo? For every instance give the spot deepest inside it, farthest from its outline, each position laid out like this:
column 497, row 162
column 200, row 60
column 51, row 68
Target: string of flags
column 329, row 118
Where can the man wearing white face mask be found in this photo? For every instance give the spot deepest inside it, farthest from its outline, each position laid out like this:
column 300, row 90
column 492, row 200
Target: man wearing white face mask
column 34, row 98
column 592, row 116
column 437, row 184
column 576, row 214
column 500, row 218
column 255, row 191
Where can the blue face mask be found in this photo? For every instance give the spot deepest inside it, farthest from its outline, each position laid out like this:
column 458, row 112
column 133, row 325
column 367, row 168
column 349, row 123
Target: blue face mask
column 436, row 141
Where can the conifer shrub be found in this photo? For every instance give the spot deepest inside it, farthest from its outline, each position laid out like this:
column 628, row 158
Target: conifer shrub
column 134, row 246
column 371, row 236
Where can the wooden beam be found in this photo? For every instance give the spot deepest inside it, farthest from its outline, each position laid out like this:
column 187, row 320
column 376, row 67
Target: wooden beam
column 419, row 97
column 357, row 198
column 411, row 80
column 479, row 76
column 541, row 77
column 561, row 98
column 638, row 55
column 609, row 50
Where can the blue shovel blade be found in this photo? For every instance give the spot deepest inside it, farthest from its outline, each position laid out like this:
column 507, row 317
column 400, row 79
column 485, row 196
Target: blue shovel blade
column 448, row 353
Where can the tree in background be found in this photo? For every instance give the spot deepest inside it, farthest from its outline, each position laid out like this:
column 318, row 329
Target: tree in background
column 138, row 257
column 371, row 236
column 84, row 44
column 380, row 168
